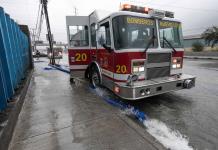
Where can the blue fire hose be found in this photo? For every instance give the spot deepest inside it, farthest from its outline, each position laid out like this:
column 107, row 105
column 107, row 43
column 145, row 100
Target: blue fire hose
column 141, row 116
column 59, row 67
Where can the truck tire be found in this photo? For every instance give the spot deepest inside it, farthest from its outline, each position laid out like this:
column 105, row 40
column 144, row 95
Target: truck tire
column 87, row 73
column 72, row 80
column 95, row 77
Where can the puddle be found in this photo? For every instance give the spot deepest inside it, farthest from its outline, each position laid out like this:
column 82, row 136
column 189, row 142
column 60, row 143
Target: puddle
column 171, row 139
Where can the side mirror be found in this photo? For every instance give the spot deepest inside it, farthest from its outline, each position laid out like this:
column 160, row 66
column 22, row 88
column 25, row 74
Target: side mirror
column 108, row 48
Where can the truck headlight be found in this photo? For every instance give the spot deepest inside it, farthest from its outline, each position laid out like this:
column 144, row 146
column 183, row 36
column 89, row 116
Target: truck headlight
column 174, row 66
column 135, row 69
column 141, row 69
column 138, row 66
column 177, row 63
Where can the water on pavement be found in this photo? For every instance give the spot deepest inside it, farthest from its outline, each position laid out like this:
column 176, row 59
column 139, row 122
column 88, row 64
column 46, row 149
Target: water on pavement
column 179, row 120
column 192, row 112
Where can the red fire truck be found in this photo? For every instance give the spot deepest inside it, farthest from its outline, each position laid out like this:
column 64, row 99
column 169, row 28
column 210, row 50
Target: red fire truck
column 136, row 52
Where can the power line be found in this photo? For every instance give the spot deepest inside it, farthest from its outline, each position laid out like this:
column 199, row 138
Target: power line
column 40, row 24
column 37, row 20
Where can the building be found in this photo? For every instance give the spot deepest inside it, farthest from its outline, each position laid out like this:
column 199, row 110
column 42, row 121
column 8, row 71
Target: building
column 191, row 39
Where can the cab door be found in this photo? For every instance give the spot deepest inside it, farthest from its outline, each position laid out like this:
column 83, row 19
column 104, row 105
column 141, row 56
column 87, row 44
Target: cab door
column 78, row 44
column 105, row 52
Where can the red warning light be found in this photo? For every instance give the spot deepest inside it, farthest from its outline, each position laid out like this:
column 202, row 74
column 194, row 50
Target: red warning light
column 146, row 9
column 126, row 7
column 133, row 8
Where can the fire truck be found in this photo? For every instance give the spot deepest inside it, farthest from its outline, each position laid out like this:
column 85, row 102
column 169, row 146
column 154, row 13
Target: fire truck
column 136, row 52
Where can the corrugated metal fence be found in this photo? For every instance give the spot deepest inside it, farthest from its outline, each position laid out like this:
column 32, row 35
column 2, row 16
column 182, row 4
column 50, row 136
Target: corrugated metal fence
column 14, row 57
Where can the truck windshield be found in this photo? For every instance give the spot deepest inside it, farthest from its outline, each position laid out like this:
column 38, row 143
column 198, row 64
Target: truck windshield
column 133, row 32
column 171, row 32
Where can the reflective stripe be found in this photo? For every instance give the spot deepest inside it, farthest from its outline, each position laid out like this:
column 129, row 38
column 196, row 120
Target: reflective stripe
column 107, row 73
column 114, row 75
column 117, row 76
column 120, row 76
column 78, row 66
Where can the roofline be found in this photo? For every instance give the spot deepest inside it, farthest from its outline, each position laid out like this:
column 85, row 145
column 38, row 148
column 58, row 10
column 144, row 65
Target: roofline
column 189, row 37
column 192, row 38
column 122, row 13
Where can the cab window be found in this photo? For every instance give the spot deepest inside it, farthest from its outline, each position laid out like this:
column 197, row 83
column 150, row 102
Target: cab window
column 133, row 32
column 93, row 35
column 170, row 34
column 104, row 34
column 78, row 36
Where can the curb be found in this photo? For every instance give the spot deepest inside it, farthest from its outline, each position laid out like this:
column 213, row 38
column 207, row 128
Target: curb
column 7, row 133
column 144, row 134
column 201, row 57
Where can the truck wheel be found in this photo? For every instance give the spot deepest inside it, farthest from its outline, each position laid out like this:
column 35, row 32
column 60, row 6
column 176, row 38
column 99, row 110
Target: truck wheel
column 95, row 78
column 72, row 80
column 87, row 75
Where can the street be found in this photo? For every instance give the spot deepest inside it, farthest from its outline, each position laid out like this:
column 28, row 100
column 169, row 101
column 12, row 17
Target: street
column 192, row 112
column 59, row 115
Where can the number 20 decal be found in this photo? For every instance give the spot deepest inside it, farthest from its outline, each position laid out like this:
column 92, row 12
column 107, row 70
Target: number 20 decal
column 121, row 69
column 80, row 57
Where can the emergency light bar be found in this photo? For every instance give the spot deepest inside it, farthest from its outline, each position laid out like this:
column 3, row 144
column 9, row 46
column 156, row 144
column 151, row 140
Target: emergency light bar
column 157, row 13
column 133, row 8
column 152, row 12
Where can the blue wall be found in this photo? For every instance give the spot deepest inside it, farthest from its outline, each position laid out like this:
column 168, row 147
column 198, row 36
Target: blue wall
column 14, row 57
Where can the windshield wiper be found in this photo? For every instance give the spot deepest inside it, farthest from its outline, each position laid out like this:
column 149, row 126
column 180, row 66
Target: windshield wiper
column 150, row 42
column 169, row 44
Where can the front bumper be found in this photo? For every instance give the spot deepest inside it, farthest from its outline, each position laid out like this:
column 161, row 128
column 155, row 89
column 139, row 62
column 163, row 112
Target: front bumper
column 155, row 86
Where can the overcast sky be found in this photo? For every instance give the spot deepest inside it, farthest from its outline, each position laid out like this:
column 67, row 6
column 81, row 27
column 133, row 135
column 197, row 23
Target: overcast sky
column 196, row 15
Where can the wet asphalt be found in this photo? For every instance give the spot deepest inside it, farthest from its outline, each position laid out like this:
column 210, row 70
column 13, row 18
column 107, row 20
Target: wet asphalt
column 193, row 112
column 58, row 115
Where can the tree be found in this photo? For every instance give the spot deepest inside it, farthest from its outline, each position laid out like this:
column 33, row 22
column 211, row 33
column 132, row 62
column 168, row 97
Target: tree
column 211, row 36
column 197, row 47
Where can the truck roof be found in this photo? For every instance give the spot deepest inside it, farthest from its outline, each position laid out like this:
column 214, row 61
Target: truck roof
column 101, row 15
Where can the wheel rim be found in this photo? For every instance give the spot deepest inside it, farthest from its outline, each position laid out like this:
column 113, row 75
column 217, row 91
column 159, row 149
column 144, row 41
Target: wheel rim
column 95, row 79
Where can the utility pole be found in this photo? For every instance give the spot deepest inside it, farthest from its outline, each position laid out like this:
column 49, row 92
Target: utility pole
column 40, row 24
column 50, row 40
column 33, row 40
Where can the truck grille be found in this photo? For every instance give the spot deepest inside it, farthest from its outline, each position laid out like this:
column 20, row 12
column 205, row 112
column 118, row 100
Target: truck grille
column 158, row 58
